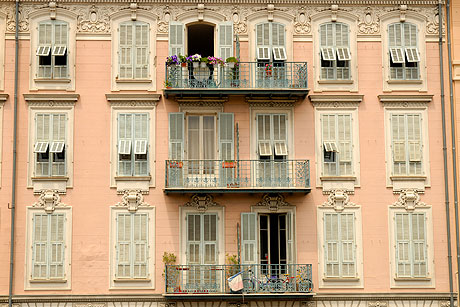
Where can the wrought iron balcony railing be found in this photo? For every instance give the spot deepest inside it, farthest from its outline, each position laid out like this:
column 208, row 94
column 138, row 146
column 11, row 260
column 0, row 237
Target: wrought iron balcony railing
column 237, row 174
column 244, row 75
column 256, row 278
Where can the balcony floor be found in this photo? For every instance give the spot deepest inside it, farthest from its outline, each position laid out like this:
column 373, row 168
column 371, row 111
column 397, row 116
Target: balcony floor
column 234, row 190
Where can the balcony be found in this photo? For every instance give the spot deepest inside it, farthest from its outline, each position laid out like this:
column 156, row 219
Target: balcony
column 244, row 78
column 238, row 176
column 257, row 279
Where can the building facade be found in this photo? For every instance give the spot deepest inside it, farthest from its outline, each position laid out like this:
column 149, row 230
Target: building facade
column 308, row 166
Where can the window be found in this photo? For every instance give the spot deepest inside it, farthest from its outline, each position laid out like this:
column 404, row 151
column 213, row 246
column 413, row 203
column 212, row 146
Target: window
column 272, row 136
column 336, row 130
column 132, row 251
column 339, row 241
column 52, row 49
column 270, row 42
column 202, row 238
column 335, row 51
column 406, row 143
column 411, row 253
column 132, row 245
column 50, row 144
column 133, row 145
column 48, row 246
column 404, row 54
column 134, row 50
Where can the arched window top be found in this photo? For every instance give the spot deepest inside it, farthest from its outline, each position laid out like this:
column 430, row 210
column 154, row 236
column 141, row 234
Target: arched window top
column 134, row 50
column 334, row 34
column 402, row 34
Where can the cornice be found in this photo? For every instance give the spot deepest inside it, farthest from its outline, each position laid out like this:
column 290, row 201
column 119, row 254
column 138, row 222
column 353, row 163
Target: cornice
column 51, row 99
column 405, row 98
column 279, row 2
column 336, row 101
column 133, row 99
column 3, row 98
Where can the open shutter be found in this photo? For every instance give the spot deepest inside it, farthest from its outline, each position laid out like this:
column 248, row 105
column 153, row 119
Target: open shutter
column 125, row 53
column 225, row 40
column 412, row 55
column 419, row 244
column 176, row 38
column 40, row 248
column 402, row 232
column 125, row 137
column 263, row 41
column 347, row 245
column 123, row 245
column 290, row 238
column 45, row 41
column 176, row 136
column 280, row 134
column 226, row 136
column 331, row 244
column 141, row 50
column 140, row 148
column 249, row 228
column 140, row 245
column 57, row 246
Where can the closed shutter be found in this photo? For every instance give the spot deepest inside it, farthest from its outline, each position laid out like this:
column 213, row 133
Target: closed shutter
column 225, row 40
column 403, row 253
column 45, row 41
column 57, row 147
column 280, row 134
column 125, row 53
column 176, row 136
column 226, row 136
column 278, row 35
column 347, row 245
column 394, row 35
column 263, row 135
column 57, row 246
column 410, row 35
column 60, row 50
column 193, row 239
column 176, row 38
column 40, row 248
column 290, row 238
column 125, row 137
column 249, row 238
column 210, row 238
column 142, row 50
column 123, row 245
column 345, row 143
column 419, row 247
column 331, row 244
column 140, row 142
column 398, row 138
column 263, row 41
column 414, row 137
column 140, row 245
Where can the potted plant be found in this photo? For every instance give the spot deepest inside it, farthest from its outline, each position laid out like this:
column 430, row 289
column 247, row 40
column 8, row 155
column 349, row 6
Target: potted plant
column 229, row 164
column 172, row 60
column 195, row 60
column 176, row 164
column 214, row 61
column 172, row 275
column 183, row 60
column 167, row 84
column 268, row 70
column 231, row 61
column 204, row 62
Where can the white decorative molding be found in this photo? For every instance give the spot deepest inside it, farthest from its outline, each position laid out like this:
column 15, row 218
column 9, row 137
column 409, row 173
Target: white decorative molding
column 133, row 100
column 409, row 199
column 201, row 202
column 273, row 202
column 50, row 100
column 49, row 200
column 377, row 304
column 132, row 200
column 339, row 200
column 405, row 101
column 336, row 101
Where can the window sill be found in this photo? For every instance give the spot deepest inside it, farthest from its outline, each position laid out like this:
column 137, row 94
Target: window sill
column 133, row 178
column 132, row 280
column 56, row 178
column 340, row 279
column 405, row 81
column 337, row 178
column 335, row 81
column 48, row 281
column 52, row 80
column 408, row 178
column 414, row 279
column 133, row 81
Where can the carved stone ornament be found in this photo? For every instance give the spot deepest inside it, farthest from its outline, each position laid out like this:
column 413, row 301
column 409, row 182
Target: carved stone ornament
column 49, row 200
column 377, row 304
column 132, row 200
column 409, row 199
column 339, row 199
column 201, row 202
column 273, row 201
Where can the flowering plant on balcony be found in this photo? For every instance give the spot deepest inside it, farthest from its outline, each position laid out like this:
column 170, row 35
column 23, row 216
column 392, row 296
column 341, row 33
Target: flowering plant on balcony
column 194, row 58
column 172, row 60
column 268, row 69
column 214, row 60
column 232, row 61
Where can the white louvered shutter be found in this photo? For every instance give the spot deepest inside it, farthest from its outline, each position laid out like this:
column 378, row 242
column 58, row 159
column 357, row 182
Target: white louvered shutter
column 225, row 40
column 398, row 138
column 280, row 134
column 414, row 137
column 140, row 142
column 264, row 135
column 194, row 239
column 263, row 41
column 347, row 245
column 40, row 248
column 226, row 136
column 403, row 253
column 210, row 238
column 123, row 245
column 45, row 41
column 59, row 49
column 249, row 247
column 290, row 223
column 176, row 38
column 140, row 245
column 141, row 69
column 58, row 139
column 125, row 137
column 125, row 53
column 176, row 136
column 57, row 246
column 345, row 143
column 331, row 244
column 419, row 247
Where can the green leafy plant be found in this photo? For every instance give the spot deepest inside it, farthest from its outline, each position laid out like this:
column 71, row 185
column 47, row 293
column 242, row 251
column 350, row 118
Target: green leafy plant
column 168, row 259
column 233, row 264
column 167, row 84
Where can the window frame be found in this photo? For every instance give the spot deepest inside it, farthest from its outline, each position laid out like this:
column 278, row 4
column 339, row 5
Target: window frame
column 134, row 46
column 48, row 283
column 132, row 282
column 271, row 46
column 412, row 282
column 334, row 48
column 403, row 48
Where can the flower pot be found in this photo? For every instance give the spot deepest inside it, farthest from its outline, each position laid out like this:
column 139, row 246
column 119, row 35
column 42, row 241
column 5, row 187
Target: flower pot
column 176, row 164
column 228, row 164
column 183, row 64
column 203, row 64
column 231, row 64
column 196, row 64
